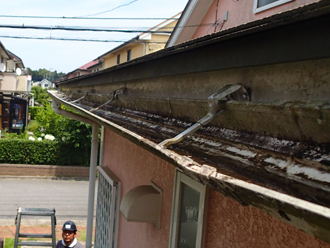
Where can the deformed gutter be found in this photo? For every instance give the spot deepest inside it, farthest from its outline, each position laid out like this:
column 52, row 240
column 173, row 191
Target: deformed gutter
column 213, row 112
column 56, row 105
column 310, row 217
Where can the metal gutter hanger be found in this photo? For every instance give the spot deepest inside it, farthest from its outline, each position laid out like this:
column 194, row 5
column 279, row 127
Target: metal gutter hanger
column 229, row 92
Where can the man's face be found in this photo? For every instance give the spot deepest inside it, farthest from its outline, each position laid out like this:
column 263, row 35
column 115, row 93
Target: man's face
column 68, row 237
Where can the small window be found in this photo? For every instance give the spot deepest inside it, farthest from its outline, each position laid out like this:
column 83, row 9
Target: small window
column 129, row 55
column 187, row 213
column 118, row 59
column 261, row 5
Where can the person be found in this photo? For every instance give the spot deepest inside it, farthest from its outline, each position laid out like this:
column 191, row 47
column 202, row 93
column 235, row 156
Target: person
column 69, row 231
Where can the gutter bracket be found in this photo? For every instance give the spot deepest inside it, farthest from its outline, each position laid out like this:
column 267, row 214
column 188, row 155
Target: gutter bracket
column 77, row 100
column 230, row 92
column 115, row 94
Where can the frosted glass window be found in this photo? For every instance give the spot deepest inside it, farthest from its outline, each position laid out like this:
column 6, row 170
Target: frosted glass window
column 188, row 213
column 188, row 217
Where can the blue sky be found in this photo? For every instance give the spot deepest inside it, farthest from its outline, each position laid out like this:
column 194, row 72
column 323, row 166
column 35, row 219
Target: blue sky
column 65, row 56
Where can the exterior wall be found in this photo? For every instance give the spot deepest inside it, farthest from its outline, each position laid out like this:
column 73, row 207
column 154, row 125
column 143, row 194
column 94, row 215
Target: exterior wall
column 111, row 61
column 9, row 82
column 153, row 47
column 228, row 224
column 231, row 225
column 139, row 168
column 78, row 74
column 22, row 83
column 239, row 12
column 136, row 51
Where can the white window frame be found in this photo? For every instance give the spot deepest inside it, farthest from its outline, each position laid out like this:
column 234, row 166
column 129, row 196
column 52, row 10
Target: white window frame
column 112, row 218
column 179, row 179
column 267, row 6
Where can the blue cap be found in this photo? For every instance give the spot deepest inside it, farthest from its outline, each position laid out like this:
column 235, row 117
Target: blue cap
column 69, row 226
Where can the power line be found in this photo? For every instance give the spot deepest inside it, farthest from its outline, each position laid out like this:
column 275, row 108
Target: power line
column 123, row 5
column 75, row 39
column 83, row 29
column 88, row 18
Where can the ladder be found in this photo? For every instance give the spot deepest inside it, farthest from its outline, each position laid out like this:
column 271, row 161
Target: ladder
column 35, row 212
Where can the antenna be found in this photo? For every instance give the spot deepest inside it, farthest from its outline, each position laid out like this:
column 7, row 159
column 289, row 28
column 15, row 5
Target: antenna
column 2, row 67
column 18, row 71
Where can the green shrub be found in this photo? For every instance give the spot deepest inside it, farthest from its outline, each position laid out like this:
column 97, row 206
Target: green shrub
column 21, row 151
column 34, row 111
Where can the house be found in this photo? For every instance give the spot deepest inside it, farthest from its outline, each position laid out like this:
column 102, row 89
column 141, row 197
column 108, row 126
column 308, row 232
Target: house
column 221, row 141
column 92, row 66
column 45, row 84
column 141, row 45
column 203, row 17
column 15, row 87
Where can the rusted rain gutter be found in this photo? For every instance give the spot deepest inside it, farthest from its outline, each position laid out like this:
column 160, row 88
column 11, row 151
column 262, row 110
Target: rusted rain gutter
column 213, row 112
column 310, row 217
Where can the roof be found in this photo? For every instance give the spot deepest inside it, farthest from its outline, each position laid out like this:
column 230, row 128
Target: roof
column 265, row 144
column 16, row 58
column 5, row 52
column 89, row 64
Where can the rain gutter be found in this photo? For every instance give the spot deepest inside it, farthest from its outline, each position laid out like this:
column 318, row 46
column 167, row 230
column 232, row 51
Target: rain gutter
column 56, row 105
column 310, row 217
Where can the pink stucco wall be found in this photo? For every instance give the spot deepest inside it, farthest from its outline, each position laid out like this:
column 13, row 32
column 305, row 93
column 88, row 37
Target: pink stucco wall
column 239, row 12
column 135, row 166
column 228, row 223
column 231, row 225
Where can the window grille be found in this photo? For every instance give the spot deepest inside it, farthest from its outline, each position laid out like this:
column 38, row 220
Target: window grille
column 107, row 209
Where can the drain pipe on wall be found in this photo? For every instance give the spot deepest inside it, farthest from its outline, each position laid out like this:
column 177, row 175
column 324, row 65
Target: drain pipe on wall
column 92, row 169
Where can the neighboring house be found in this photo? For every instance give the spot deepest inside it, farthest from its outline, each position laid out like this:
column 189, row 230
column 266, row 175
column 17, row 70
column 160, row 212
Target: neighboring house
column 88, row 68
column 203, row 17
column 15, row 87
column 45, row 84
column 140, row 45
column 222, row 141
column 96, row 67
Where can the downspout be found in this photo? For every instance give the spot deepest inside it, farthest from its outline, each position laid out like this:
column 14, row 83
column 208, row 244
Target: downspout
column 92, row 169
column 101, row 147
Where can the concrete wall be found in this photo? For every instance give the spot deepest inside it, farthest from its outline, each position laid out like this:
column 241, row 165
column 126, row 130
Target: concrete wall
column 239, row 12
column 228, row 223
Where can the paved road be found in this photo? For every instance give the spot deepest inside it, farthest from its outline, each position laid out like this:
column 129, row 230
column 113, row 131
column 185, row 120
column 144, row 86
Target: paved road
column 68, row 197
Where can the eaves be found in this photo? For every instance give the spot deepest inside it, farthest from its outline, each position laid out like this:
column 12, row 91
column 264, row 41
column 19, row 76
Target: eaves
column 306, row 37
column 258, row 171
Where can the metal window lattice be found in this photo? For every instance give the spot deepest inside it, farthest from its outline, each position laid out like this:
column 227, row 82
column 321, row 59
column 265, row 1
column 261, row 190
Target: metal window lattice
column 107, row 210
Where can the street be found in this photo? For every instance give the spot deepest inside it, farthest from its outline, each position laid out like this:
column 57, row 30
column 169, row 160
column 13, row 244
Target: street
column 68, row 197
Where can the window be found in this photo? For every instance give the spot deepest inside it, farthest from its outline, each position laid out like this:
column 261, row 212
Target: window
column 187, row 213
column 118, row 59
column 261, row 5
column 107, row 209
column 129, row 55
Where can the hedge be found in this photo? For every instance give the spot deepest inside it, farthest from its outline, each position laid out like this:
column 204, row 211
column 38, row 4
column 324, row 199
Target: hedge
column 20, row 151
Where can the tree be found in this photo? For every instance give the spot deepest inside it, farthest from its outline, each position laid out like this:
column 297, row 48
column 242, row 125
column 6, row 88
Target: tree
column 42, row 73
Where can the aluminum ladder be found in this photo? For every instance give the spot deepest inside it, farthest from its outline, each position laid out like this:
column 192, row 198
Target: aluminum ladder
column 35, row 212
